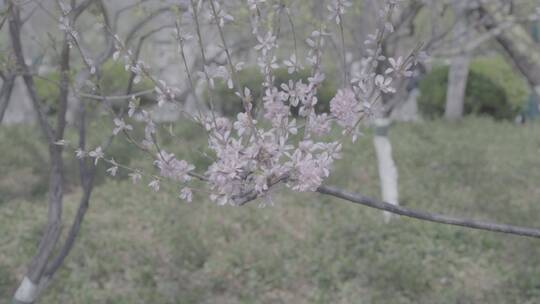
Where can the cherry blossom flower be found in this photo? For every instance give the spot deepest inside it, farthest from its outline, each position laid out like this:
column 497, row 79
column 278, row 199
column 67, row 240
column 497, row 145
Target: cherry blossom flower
column 266, row 43
column 172, row 168
column 319, row 124
column 397, row 66
column 243, row 123
column 132, row 107
column 97, row 154
column 337, row 9
column 186, row 194
column 80, row 154
column 121, row 126
column 112, row 170
column 292, row 64
column 344, row 107
column 384, row 84
column 222, row 16
column 154, row 185
column 135, row 177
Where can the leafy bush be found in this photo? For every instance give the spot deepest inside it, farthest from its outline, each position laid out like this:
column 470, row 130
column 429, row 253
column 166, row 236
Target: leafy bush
column 502, row 74
column 493, row 89
column 229, row 104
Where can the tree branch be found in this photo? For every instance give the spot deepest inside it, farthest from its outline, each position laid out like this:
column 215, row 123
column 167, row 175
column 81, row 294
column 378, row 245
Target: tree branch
column 5, row 94
column 426, row 216
column 15, row 25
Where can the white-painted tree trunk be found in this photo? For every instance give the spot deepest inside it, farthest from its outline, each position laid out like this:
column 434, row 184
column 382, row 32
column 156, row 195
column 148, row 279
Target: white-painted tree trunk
column 26, row 293
column 388, row 173
column 407, row 111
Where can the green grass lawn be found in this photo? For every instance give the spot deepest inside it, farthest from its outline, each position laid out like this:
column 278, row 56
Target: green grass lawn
column 142, row 247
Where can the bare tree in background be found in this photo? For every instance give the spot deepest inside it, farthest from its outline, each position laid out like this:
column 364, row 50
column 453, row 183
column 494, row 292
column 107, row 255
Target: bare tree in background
column 52, row 250
column 516, row 41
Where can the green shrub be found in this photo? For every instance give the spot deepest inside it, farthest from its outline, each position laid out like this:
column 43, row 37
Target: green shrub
column 229, row 104
column 493, row 89
column 502, row 74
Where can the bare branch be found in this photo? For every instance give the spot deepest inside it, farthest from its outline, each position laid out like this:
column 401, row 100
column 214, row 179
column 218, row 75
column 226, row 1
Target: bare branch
column 137, row 27
column 426, row 216
column 15, row 24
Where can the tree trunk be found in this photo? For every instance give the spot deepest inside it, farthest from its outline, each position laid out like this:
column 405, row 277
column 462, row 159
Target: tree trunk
column 459, row 68
column 518, row 45
column 388, row 174
column 458, row 75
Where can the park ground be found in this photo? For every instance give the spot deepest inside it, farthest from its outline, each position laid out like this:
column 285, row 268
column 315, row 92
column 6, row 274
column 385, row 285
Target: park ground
column 137, row 246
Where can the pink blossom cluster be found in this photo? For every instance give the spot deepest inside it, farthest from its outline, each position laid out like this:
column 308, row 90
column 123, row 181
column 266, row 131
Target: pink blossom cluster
column 172, row 168
column 267, row 145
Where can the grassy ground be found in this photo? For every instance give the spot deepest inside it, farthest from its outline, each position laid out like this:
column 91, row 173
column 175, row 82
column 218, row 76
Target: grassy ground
column 141, row 247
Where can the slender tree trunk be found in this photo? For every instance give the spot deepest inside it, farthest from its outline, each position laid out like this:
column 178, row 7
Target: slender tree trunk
column 32, row 282
column 388, row 174
column 458, row 73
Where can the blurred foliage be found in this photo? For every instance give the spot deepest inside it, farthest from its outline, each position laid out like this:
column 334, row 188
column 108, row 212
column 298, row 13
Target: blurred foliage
column 114, row 81
column 47, row 89
column 493, row 89
column 229, row 104
column 137, row 246
column 482, row 96
column 503, row 75
column 26, row 157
